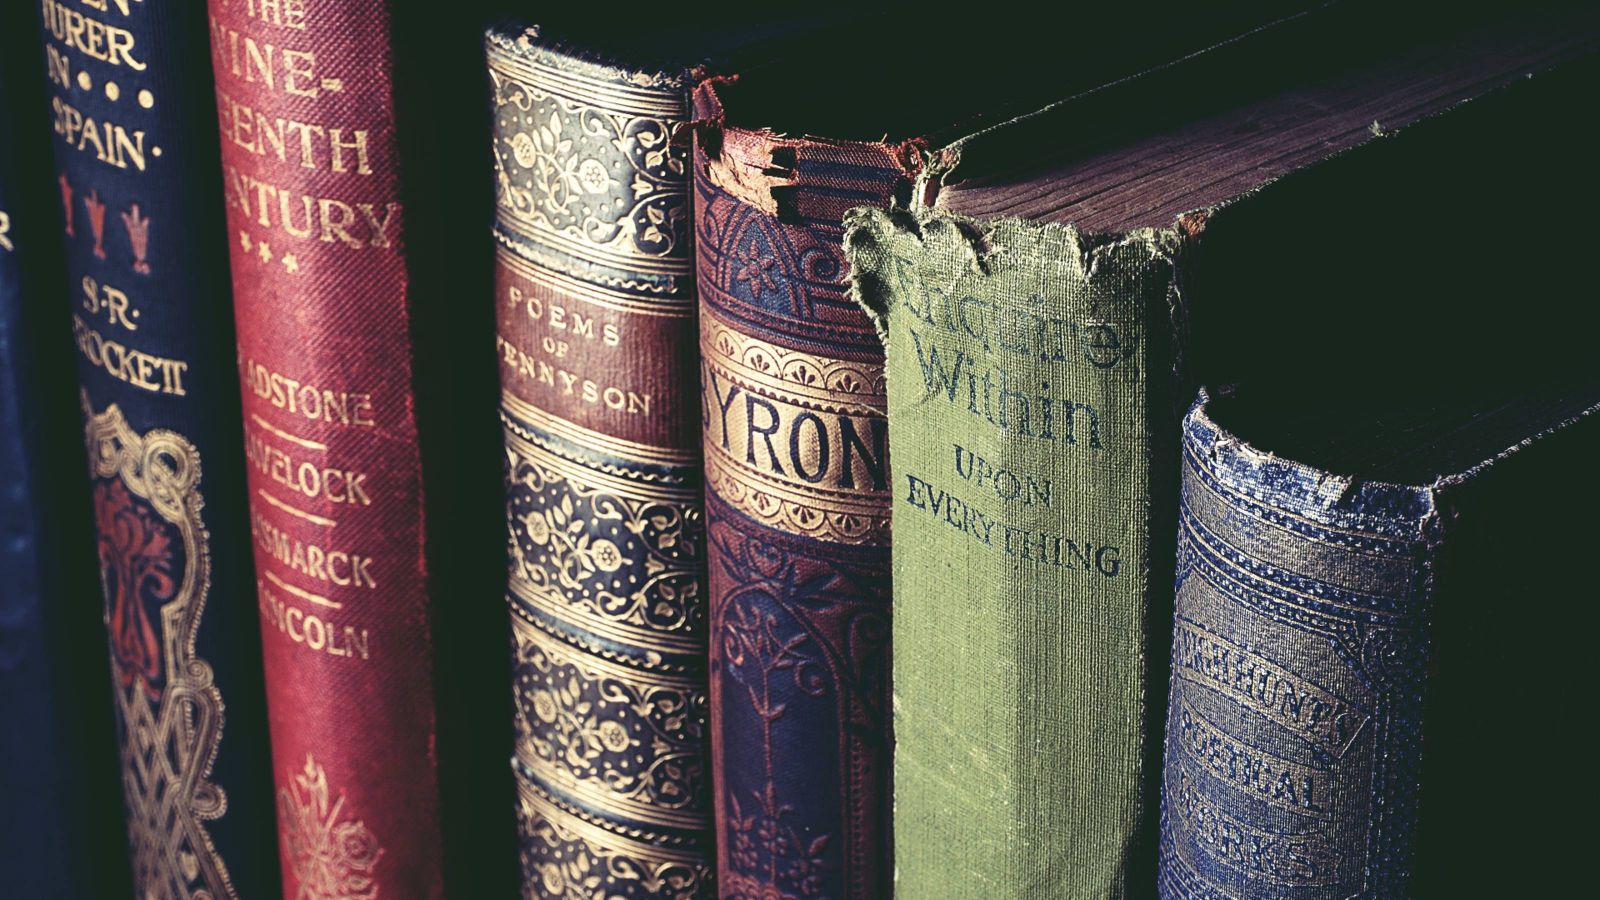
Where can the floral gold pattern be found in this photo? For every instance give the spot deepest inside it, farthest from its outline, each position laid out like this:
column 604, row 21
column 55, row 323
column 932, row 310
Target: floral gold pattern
column 622, row 553
column 604, row 179
column 155, row 573
column 609, row 736
column 331, row 857
column 608, row 617
column 570, row 857
column 605, row 526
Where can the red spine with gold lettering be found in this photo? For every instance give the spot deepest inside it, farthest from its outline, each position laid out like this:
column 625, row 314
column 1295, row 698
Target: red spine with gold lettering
column 306, row 104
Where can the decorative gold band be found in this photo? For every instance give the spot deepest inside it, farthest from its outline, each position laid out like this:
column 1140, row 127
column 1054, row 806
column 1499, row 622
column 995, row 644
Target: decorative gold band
column 620, row 485
column 572, row 824
column 533, row 229
column 840, row 517
column 667, row 100
column 626, row 792
column 644, row 454
column 677, row 307
column 794, row 440
column 856, row 388
column 553, row 603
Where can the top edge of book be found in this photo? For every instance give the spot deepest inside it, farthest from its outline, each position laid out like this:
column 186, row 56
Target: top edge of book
column 1212, row 129
column 1403, row 444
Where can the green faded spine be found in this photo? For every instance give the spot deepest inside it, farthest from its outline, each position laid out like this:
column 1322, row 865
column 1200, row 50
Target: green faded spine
column 1020, row 424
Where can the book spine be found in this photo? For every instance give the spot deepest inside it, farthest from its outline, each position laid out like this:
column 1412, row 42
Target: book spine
column 57, row 748
column 1026, row 368
column 797, row 512
column 317, row 231
column 1298, row 657
column 596, row 334
column 136, row 168
column 33, row 839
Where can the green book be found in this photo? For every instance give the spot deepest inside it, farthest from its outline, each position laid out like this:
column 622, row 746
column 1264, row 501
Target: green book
column 1046, row 300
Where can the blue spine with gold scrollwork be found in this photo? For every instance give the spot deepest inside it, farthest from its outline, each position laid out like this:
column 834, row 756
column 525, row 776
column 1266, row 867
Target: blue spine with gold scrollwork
column 137, row 176
column 1293, row 739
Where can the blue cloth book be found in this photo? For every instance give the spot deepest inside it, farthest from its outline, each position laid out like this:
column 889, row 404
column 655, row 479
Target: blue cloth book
column 131, row 115
column 1337, row 586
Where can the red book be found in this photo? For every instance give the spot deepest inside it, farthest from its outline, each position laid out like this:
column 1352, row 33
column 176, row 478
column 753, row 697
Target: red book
column 305, row 98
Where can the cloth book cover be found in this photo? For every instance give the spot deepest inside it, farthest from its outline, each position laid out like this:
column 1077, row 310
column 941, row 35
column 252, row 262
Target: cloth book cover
column 133, row 123
column 1296, row 726
column 320, row 237
column 1042, row 311
column 58, row 754
column 798, row 488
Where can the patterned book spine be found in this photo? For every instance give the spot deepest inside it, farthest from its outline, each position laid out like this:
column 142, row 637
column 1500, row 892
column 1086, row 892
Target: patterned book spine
column 317, row 233
column 1026, row 384
column 596, row 341
column 1298, row 656
column 797, row 512
column 136, row 167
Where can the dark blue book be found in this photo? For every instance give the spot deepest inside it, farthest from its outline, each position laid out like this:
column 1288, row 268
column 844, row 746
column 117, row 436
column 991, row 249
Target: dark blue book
column 1359, row 697
column 57, row 750
column 137, row 174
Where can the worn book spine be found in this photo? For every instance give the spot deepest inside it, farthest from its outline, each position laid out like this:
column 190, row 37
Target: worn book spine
column 1027, row 366
column 57, row 749
column 1298, row 660
column 594, row 293
column 797, row 511
column 147, row 283
column 317, row 232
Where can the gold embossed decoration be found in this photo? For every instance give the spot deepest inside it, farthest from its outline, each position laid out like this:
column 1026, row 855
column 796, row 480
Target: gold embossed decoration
column 155, row 572
column 605, row 526
column 794, row 440
column 605, row 552
column 589, row 167
column 573, row 856
column 330, row 856
column 608, row 628
column 607, row 736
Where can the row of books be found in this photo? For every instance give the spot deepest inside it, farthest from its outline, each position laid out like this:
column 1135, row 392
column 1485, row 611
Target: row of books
column 1197, row 405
